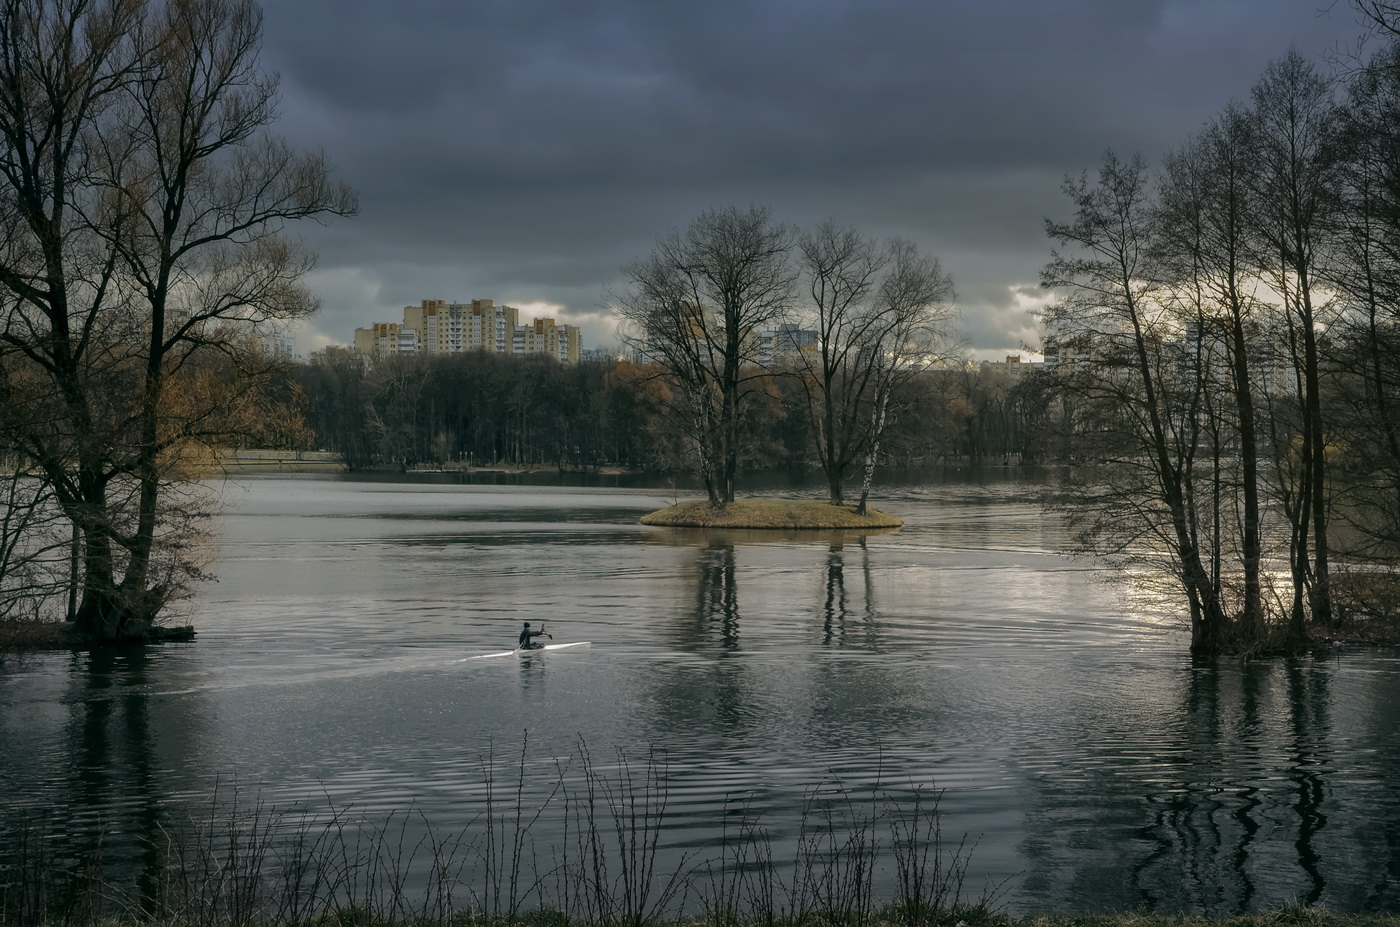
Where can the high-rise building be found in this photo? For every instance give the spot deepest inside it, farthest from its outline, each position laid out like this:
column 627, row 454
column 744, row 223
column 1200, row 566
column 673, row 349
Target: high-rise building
column 1013, row 368
column 449, row 328
column 544, row 337
column 436, row 326
column 785, row 343
column 386, row 338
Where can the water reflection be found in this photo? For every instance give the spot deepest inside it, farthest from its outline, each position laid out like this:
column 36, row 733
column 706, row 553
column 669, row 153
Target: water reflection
column 1230, row 814
column 120, row 748
column 1071, row 731
column 533, row 673
column 719, row 699
column 839, row 618
column 716, row 597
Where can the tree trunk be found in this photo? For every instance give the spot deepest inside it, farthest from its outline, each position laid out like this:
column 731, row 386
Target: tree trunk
column 836, row 488
column 1320, row 598
column 1252, row 614
column 877, row 429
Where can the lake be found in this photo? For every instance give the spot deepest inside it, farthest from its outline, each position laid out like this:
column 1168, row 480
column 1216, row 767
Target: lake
column 342, row 667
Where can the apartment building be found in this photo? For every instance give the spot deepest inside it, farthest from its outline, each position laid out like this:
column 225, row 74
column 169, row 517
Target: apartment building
column 1013, row 368
column 786, row 343
column 544, row 337
column 436, row 326
column 386, row 338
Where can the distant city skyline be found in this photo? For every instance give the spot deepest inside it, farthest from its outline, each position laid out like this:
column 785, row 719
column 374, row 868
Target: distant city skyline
column 528, row 151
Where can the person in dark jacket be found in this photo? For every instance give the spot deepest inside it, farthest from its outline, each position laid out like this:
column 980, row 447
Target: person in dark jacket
column 527, row 637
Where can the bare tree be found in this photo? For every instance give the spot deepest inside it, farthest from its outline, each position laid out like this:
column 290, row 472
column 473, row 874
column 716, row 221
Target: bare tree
column 1206, row 251
column 909, row 330
column 696, row 306
column 1138, row 502
column 1367, row 274
column 34, row 549
column 338, row 384
column 1295, row 179
column 841, row 269
column 1381, row 15
column 141, row 210
column 395, row 401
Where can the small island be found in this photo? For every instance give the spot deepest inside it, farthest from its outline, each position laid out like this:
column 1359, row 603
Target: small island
column 770, row 513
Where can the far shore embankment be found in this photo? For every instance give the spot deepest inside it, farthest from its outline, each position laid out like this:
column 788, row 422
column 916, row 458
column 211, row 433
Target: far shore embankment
column 265, row 460
column 262, row 460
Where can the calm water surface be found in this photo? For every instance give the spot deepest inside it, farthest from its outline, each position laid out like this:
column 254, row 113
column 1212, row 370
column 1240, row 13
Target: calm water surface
column 1096, row 766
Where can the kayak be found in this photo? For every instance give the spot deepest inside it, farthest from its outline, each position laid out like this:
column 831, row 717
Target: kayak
column 531, row 651
column 526, row 653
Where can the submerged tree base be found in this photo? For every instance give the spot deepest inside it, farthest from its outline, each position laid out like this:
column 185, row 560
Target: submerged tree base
column 18, row 636
column 1367, row 615
column 770, row 513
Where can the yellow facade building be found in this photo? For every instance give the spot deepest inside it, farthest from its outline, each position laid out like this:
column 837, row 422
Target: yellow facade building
column 436, row 326
column 386, row 338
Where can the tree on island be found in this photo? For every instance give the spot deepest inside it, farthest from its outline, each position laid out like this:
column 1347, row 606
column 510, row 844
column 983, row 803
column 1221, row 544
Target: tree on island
column 142, row 204
column 700, row 305
column 695, row 306
column 880, row 313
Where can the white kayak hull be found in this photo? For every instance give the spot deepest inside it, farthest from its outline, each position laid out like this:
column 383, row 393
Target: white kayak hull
column 533, row 650
column 525, row 653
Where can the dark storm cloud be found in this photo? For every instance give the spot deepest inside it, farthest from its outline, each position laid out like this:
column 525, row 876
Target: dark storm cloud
column 524, row 151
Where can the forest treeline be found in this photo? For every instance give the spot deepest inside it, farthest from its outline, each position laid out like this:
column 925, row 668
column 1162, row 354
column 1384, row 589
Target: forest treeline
column 483, row 409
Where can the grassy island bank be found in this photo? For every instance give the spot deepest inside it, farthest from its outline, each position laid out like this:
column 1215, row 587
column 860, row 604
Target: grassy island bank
column 770, row 513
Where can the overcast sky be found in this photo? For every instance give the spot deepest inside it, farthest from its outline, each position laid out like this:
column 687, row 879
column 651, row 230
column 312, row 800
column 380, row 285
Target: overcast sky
column 525, row 151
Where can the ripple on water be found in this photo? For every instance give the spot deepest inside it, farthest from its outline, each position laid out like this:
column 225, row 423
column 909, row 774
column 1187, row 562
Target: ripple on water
column 1056, row 716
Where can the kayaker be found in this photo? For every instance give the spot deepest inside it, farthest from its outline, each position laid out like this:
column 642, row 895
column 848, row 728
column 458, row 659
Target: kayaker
column 527, row 636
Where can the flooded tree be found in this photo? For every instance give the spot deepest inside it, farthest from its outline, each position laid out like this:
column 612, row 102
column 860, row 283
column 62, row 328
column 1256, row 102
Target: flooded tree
column 1140, row 390
column 1205, row 250
column 1365, row 273
column 1233, row 336
column 1294, row 177
column 142, row 205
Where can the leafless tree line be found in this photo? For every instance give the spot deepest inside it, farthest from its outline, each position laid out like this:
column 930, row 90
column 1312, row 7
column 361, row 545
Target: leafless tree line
column 1225, row 328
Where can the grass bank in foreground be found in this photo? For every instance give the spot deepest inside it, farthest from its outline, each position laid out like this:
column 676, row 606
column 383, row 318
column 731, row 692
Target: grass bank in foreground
column 770, row 513
column 858, row 858
column 1293, row 916
column 960, row 917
